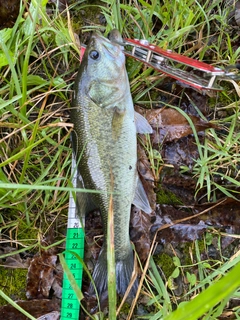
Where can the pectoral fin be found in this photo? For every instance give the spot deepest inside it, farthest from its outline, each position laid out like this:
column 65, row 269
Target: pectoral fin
column 140, row 198
column 84, row 200
column 142, row 125
column 117, row 122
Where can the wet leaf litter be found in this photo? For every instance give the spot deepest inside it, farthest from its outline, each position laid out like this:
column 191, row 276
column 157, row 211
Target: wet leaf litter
column 43, row 285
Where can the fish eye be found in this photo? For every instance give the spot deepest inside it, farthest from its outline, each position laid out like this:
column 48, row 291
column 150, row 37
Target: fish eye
column 94, row 54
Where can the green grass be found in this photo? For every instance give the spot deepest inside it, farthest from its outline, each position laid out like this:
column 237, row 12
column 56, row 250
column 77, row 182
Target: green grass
column 38, row 62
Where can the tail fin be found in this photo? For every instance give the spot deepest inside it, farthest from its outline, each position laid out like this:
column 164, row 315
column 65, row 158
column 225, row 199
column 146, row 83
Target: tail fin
column 124, row 270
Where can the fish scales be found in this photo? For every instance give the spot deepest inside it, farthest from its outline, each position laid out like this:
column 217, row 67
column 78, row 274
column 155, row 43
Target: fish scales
column 105, row 144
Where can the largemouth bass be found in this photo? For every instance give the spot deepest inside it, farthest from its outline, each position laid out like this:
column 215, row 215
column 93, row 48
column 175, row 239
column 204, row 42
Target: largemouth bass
column 105, row 144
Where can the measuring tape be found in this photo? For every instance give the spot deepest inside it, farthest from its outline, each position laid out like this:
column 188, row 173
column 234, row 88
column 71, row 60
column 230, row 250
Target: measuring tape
column 74, row 242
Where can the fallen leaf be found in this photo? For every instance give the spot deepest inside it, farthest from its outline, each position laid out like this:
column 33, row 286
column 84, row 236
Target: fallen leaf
column 41, row 276
column 14, row 260
column 169, row 124
column 36, row 308
column 140, row 224
column 55, row 315
column 237, row 13
column 182, row 152
column 225, row 217
column 181, row 232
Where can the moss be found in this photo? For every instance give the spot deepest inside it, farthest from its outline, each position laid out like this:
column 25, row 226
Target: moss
column 201, row 246
column 186, row 258
column 13, row 283
column 165, row 262
column 89, row 13
column 167, row 197
column 185, row 249
column 25, row 231
column 222, row 98
column 125, row 308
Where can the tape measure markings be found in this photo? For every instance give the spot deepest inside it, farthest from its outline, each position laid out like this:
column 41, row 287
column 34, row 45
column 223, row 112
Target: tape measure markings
column 74, row 242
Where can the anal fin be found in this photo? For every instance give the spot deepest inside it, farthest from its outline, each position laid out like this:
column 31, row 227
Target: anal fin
column 140, row 198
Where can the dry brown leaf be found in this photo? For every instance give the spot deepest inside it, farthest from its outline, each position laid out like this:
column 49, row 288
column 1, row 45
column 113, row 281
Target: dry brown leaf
column 41, row 276
column 14, row 260
column 140, row 224
column 168, row 125
column 36, row 308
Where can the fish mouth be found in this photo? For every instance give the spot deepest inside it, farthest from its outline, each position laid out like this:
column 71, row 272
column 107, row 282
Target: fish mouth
column 113, row 48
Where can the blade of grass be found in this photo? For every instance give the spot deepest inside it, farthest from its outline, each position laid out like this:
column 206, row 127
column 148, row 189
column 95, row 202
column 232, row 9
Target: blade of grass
column 70, row 277
column 207, row 299
column 43, row 187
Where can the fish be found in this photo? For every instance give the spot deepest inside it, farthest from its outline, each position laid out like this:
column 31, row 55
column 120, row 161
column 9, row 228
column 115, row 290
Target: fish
column 104, row 141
